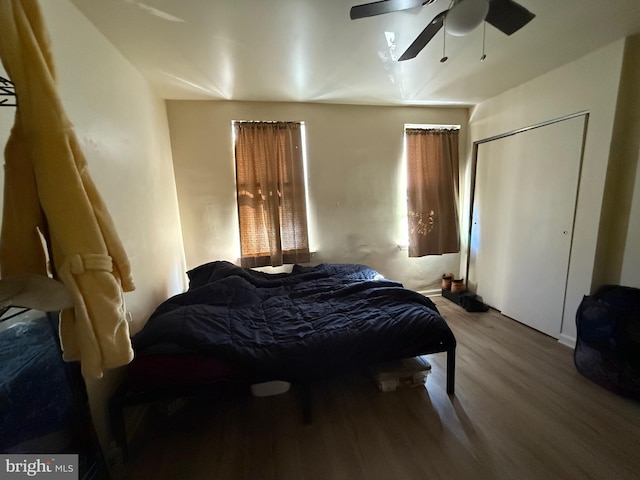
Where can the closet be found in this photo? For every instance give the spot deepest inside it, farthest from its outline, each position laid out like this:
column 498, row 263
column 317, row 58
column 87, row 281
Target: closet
column 524, row 200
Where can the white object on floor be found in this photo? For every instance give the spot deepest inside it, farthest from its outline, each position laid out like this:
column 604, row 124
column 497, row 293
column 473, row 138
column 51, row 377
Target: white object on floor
column 267, row 389
column 407, row 372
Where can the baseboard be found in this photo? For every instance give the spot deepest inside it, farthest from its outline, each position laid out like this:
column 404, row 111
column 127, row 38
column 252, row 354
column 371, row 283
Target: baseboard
column 433, row 292
column 567, row 341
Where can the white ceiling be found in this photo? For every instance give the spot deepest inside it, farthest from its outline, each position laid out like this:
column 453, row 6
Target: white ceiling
column 310, row 51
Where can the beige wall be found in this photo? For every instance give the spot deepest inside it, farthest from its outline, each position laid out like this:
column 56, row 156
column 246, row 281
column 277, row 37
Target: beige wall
column 618, row 258
column 123, row 131
column 354, row 172
column 630, row 274
column 587, row 84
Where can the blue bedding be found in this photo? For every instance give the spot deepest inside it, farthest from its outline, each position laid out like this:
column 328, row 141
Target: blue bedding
column 33, row 401
column 43, row 401
column 305, row 324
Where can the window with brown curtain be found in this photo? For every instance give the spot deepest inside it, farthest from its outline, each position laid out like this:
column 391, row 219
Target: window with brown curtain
column 432, row 191
column 270, row 185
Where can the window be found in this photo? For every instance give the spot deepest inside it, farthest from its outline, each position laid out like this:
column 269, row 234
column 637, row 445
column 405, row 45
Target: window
column 271, row 194
column 432, row 190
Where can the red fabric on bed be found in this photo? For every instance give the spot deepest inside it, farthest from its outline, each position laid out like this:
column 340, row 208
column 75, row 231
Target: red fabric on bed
column 165, row 371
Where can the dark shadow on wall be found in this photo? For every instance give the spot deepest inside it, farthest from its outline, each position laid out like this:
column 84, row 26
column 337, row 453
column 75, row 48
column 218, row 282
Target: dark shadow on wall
column 621, row 171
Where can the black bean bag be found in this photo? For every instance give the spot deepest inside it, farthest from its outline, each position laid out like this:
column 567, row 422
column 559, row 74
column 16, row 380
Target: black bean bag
column 608, row 344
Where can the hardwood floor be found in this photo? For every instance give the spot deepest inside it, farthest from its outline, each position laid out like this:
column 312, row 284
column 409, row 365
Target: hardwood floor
column 521, row 411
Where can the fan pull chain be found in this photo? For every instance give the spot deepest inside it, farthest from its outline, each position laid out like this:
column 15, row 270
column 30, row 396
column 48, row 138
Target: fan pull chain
column 484, row 31
column 444, row 41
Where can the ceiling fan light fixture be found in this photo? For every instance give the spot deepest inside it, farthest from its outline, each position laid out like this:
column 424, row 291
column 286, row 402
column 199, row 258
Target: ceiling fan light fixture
column 465, row 16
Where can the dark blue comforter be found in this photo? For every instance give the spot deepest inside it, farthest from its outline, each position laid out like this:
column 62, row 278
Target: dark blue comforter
column 307, row 323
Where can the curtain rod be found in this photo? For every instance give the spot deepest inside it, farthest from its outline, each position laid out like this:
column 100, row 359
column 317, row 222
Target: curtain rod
column 7, row 93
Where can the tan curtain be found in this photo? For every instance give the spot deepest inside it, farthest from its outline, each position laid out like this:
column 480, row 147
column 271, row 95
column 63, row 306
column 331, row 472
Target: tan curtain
column 48, row 189
column 271, row 193
column 432, row 191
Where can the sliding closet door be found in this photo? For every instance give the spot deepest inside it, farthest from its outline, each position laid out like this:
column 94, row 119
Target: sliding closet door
column 522, row 225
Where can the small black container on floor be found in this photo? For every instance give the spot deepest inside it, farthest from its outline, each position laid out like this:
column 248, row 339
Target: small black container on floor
column 467, row 300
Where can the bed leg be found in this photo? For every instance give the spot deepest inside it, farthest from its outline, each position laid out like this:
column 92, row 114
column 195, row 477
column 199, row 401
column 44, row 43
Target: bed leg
column 305, row 399
column 451, row 370
column 117, row 424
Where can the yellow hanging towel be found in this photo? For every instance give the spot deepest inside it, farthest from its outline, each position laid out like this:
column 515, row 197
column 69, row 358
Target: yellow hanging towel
column 48, row 188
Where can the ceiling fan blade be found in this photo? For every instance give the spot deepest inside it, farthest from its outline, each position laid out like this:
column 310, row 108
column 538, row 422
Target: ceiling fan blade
column 508, row 16
column 425, row 37
column 384, row 6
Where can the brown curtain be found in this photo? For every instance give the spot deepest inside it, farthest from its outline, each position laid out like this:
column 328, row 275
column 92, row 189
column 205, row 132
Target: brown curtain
column 432, row 191
column 271, row 193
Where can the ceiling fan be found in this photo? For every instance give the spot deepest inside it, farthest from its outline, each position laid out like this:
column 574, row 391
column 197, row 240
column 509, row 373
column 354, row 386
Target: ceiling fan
column 461, row 17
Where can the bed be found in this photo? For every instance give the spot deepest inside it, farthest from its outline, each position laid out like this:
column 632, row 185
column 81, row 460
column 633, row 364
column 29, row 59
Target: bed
column 43, row 401
column 300, row 326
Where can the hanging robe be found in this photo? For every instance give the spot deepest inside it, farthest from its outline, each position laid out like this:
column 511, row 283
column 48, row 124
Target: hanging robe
column 50, row 199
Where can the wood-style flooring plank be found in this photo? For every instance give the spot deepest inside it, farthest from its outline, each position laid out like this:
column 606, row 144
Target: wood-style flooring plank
column 521, row 411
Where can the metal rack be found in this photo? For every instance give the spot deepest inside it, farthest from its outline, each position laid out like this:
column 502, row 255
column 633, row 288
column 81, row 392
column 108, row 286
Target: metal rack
column 8, row 96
